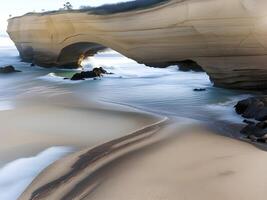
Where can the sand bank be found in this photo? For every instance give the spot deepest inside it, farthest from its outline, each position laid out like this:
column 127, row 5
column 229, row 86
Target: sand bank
column 174, row 162
column 36, row 124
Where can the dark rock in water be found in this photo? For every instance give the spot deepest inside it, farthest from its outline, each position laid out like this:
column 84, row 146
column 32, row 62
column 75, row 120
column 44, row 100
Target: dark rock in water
column 199, row 89
column 261, row 140
column 89, row 74
column 262, row 114
column 242, row 106
column 8, row 69
column 32, row 65
column 65, row 78
column 253, row 108
column 102, row 70
column 77, row 77
column 96, row 72
column 256, row 132
column 83, row 75
column 249, row 129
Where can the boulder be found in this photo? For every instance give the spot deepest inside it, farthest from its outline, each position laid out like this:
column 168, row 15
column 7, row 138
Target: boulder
column 96, row 72
column 89, row 74
column 8, row 69
column 77, row 77
column 253, row 108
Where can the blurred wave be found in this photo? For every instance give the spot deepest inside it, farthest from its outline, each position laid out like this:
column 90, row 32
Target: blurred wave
column 17, row 175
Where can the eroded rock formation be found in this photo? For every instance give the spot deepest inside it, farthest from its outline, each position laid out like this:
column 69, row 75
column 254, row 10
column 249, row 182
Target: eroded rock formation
column 228, row 38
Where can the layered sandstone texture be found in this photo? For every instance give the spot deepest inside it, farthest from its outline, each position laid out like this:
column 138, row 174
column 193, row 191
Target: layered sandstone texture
column 228, row 38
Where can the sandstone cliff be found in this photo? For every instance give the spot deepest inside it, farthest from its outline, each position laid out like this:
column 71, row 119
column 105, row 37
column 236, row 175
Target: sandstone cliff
column 228, row 38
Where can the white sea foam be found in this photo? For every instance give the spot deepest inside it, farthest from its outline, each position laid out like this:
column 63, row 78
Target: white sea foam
column 53, row 77
column 124, row 67
column 120, row 67
column 225, row 110
column 6, row 105
column 17, row 175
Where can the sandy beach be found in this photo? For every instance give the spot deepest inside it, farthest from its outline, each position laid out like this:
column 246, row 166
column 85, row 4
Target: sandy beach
column 62, row 140
column 121, row 153
column 164, row 160
column 37, row 124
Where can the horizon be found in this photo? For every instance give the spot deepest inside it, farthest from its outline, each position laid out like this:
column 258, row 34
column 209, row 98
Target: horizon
column 21, row 8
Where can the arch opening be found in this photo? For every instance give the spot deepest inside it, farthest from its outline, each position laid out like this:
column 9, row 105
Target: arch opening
column 71, row 56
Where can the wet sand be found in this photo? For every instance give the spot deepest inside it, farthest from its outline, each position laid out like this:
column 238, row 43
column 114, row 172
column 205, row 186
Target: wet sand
column 171, row 160
column 37, row 124
column 122, row 153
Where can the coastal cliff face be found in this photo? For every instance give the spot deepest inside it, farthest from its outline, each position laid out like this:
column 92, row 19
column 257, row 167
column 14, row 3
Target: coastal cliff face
column 228, row 38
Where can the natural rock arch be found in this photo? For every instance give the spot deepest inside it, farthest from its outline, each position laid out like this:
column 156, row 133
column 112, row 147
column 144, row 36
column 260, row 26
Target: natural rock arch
column 69, row 56
column 228, row 38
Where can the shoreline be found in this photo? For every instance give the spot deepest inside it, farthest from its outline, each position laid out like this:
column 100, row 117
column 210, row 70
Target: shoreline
column 176, row 161
column 41, row 124
column 156, row 161
column 59, row 123
column 98, row 171
column 89, row 161
column 63, row 112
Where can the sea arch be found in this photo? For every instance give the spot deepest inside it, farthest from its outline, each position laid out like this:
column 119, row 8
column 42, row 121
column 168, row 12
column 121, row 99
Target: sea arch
column 228, row 38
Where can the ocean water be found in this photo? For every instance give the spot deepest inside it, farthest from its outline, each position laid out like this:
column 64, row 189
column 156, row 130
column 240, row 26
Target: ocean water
column 163, row 91
column 13, row 181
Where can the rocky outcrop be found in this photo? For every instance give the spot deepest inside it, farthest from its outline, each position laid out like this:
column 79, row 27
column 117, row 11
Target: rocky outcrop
column 228, row 38
column 96, row 72
column 254, row 108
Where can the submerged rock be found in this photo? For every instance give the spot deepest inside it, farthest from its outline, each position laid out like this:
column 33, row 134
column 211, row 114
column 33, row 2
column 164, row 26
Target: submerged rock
column 199, row 89
column 8, row 69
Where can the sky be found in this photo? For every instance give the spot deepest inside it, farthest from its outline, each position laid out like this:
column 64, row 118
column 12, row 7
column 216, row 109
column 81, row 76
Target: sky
column 20, row 7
